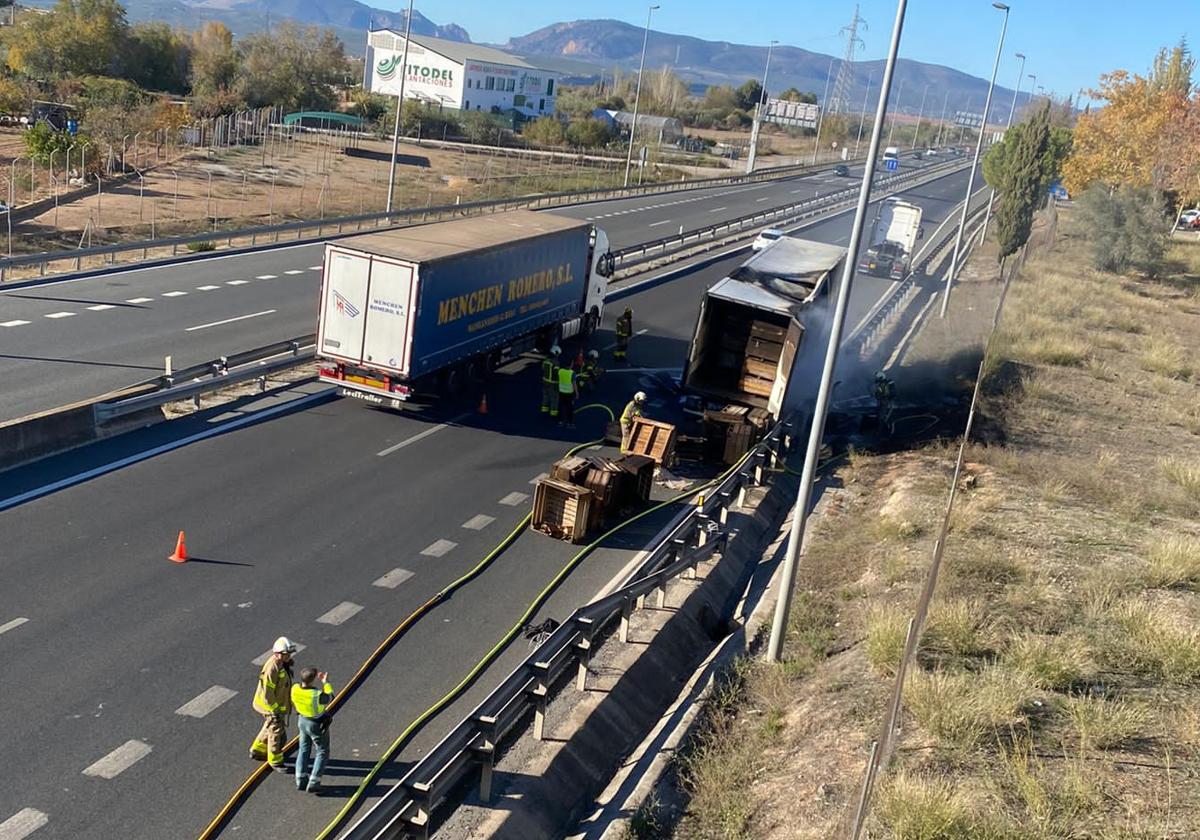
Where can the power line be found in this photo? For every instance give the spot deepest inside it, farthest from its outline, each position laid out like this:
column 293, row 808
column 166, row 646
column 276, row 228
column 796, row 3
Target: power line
column 845, row 77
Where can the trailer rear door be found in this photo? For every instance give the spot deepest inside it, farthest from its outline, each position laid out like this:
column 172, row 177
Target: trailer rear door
column 343, row 304
column 391, row 297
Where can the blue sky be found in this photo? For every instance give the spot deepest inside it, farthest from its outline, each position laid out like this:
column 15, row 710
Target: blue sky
column 1069, row 43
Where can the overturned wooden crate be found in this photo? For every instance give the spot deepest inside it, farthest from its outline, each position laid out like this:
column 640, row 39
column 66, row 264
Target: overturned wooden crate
column 561, row 509
column 640, row 472
column 654, row 439
column 605, row 479
column 571, row 469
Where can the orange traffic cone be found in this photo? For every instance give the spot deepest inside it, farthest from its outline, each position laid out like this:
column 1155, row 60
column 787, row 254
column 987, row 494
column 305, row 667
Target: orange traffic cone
column 483, row 409
column 180, row 555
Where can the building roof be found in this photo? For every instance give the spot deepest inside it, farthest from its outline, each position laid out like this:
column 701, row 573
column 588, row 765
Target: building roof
column 464, row 52
column 645, row 120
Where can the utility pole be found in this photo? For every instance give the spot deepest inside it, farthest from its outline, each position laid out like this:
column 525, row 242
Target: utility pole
column 899, row 94
column 942, row 121
column 637, row 95
column 962, row 222
column 920, row 113
column 817, row 431
column 863, row 118
column 987, row 217
column 399, row 108
column 759, row 108
column 821, row 112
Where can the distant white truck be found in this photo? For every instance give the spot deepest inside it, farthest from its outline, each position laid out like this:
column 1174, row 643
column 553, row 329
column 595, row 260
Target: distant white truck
column 894, row 237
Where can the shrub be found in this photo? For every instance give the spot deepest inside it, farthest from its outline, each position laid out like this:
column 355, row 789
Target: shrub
column 966, row 710
column 887, row 629
column 1185, row 474
column 1165, row 358
column 1174, row 562
column 1127, row 228
column 206, row 245
column 545, row 131
column 1148, row 642
column 954, row 628
column 1050, row 662
column 923, row 809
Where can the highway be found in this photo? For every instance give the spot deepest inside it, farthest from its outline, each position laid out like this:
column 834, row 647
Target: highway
column 63, row 341
column 130, row 677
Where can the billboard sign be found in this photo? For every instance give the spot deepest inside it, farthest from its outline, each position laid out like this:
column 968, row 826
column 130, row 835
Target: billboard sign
column 428, row 76
column 966, row 118
column 795, row 114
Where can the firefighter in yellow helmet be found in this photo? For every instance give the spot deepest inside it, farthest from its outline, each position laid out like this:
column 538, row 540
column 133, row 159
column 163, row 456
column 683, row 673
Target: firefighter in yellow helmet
column 624, row 332
column 273, row 700
column 633, row 410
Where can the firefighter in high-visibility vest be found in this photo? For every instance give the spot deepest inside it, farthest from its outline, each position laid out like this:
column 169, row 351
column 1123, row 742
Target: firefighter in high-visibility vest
column 550, row 382
column 568, row 390
column 273, row 700
column 633, row 410
column 310, row 700
column 624, row 332
column 591, row 370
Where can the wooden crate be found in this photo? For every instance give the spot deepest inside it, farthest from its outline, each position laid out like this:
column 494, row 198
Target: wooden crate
column 764, row 370
column 768, row 332
column 767, row 351
column 738, row 441
column 760, row 419
column 653, row 439
column 571, row 469
column 604, row 480
column 756, row 386
column 561, row 510
column 640, row 470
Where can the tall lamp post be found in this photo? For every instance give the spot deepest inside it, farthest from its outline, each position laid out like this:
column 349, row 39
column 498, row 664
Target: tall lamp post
column 821, row 113
column 759, row 109
column 899, row 94
column 817, row 429
column 862, row 119
column 637, row 94
column 920, row 114
column 1007, row 125
column 1032, row 87
column 987, row 104
column 399, row 108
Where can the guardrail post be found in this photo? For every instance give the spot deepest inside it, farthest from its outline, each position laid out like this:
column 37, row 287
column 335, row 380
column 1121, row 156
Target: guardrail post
column 759, row 459
column 540, row 692
column 726, row 498
column 626, row 610
column 418, row 823
column 584, row 646
column 485, row 751
column 702, row 522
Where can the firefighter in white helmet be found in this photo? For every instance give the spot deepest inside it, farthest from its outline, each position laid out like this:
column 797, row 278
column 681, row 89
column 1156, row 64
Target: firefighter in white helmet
column 633, row 410
column 273, row 700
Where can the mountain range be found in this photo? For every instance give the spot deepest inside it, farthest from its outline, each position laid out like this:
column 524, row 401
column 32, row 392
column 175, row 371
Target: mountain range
column 585, row 50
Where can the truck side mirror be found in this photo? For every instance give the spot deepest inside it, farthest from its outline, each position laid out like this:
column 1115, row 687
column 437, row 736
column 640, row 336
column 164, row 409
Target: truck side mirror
column 920, row 233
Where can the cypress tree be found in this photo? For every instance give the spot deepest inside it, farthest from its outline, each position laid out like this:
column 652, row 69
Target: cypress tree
column 1021, row 182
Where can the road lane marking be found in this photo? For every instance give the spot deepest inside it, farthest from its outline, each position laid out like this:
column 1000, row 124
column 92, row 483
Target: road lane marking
column 514, row 499
column 393, row 578
column 422, row 435
column 315, row 267
column 538, row 478
column 478, row 522
column 100, row 307
column 12, row 625
column 174, row 294
column 439, row 548
column 208, row 288
column 21, row 824
column 139, row 300
column 238, row 282
column 265, row 277
column 764, row 198
column 656, row 224
column 61, row 315
column 17, row 323
column 717, row 209
column 262, row 658
column 614, row 344
column 119, row 760
column 340, row 614
column 294, row 271
column 229, row 320
column 207, row 700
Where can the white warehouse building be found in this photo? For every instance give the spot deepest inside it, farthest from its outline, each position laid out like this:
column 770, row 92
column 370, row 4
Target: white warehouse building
column 457, row 75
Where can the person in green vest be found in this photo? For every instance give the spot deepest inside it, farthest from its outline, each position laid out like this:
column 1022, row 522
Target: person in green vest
column 568, row 390
column 310, row 701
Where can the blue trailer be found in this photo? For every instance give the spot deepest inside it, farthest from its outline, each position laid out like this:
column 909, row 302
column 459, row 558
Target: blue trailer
column 423, row 309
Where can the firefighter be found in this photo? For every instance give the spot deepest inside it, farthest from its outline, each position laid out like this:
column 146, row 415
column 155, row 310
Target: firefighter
column 624, row 332
column 550, row 382
column 591, row 370
column 884, row 392
column 568, row 390
column 310, row 700
column 272, row 700
column 633, row 410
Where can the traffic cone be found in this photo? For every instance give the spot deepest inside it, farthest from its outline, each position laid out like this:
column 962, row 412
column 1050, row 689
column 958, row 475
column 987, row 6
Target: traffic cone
column 483, row 409
column 180, row 555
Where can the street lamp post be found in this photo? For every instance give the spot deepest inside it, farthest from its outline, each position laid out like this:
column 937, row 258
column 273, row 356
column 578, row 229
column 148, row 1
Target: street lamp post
column 821, row 114
column 920, row 114
column 1007, row 125
column 1032, row 87
column 962, row 222
column 637, row 95
column 942, row 121
column 817, row 428
column 862, row 119
column 899, row 94
column 399, row 107
column 759, row 108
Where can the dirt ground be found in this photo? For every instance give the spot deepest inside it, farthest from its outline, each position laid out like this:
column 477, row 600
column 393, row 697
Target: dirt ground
column 1057, row 687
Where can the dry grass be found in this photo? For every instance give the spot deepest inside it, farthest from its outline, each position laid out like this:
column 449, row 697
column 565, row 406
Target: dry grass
column 1106, row 724
column 1174, row 561
column 1150, row 642
column 1165, row 358
column 887, row 629
column 917, row 808
column 1182, row 472
column 965, row 710
column 1054, row 663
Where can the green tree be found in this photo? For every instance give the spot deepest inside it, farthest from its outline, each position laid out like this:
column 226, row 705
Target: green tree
column 369, row 106
column 1128, row 228
column 1019, row 182
column 41, row 140
column 77, row 37
column 589, row 133
column 16, row 96
column 795, row 95
column 1172, row 71
column 293, row 67
column 720, row 98
column 545, row 131
column 158, row 57
column 749, row 94
column 214, row 63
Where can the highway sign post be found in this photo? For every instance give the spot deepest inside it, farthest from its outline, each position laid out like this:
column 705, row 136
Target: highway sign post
column 891, row 164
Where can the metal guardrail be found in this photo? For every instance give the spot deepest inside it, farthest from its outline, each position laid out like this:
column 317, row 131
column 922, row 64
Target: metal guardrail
column 343, row 225
column 635, row 254
column 221, row 372
column 407, row 809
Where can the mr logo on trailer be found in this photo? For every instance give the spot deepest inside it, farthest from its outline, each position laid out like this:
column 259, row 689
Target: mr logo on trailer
column 344, row 306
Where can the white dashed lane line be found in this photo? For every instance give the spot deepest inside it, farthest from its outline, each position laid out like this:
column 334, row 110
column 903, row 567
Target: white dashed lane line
column 264, row 277
column 393, row 578
column 229, row 320
column 294, row 271
column 656, row 224
column 61, row 315
column 315, row 267
column 205, row 702
column 237, row 282
column 206, row 288
column 717, row 209
column 21, row 824
column 174, row 294
column 514, row 499
column 12, row 625
column 439, row 548
column 17, row 323
column 100, row 307
column 340, row 614
column 119, row 760
column 139, row 300
column 478, row 522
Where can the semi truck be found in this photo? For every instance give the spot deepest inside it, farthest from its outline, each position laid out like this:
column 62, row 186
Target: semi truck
column 428, row 308
column 761, row 332
column 894, row 236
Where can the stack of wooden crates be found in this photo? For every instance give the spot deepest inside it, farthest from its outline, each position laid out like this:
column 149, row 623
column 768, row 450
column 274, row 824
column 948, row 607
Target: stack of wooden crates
column 763, row 345
column 581, row 494
column 729, row 432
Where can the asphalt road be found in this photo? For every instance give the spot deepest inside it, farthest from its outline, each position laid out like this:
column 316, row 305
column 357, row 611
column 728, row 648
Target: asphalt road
column 69, row 340
column 296, row 524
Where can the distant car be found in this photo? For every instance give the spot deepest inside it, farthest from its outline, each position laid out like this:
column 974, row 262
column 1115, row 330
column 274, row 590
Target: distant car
column 931, row 152
column 766, row 238
column 916, row 155
column 1190, row 219
column 841, row 170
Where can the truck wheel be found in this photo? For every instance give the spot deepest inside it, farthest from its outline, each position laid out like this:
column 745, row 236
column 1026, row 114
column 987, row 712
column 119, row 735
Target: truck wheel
column 452, row 381
column 477, row 369
column 590, row 322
